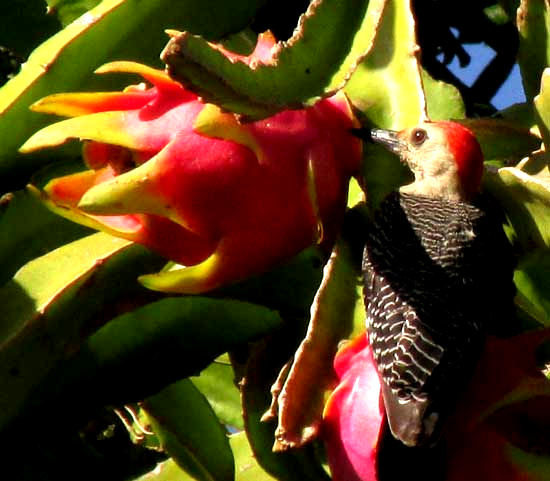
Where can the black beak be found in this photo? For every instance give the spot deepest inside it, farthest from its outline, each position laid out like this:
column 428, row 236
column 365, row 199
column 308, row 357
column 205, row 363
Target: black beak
column 388, row 138
column 362, row 133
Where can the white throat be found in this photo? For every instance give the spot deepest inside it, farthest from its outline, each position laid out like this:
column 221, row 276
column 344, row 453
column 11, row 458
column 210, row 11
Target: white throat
column 435, row 175
column 445, row 187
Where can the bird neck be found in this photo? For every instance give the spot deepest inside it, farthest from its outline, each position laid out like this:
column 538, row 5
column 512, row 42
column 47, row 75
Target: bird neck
column 436, row 188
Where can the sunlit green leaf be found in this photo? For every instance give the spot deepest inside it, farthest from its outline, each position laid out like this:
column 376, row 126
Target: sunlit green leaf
column 190, row 432
column 246, row 465
column 217, row 383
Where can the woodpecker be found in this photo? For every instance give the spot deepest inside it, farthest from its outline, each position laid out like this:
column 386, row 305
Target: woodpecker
column 437, row 270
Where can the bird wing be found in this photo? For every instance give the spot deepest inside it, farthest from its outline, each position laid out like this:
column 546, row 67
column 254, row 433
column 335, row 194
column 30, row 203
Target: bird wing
column 417, row 323
column 405, row 355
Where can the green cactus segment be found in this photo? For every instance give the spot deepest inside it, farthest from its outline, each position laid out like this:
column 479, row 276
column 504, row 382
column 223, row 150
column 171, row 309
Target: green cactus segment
column 542, row 108
column 190, row 432
column 524, row 194
column 443, row 100
column 30, row 280
column 533, row 21
column 53, row 301
column 533, row 283
column 387, row 85
column 131, row 29
column 139, row 353
column 28, row 230
column 387, row 90
column 331, row 37
column 502, row 141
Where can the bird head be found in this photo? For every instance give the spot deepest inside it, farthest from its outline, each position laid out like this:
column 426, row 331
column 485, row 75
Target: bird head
column 445, row 158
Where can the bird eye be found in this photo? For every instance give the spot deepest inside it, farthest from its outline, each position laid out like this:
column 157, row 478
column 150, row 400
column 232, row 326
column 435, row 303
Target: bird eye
column 418, row 136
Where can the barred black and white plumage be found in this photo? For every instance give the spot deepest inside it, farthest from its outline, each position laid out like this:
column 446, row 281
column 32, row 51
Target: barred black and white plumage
column 438, row 273
column 435, row 273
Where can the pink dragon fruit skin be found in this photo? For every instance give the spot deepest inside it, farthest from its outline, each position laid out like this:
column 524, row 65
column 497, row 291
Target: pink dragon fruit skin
column 225, row 199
